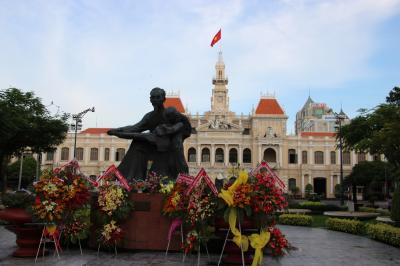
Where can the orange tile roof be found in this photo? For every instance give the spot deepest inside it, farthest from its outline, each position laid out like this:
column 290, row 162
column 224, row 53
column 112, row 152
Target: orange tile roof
column 174, row 102
column 318, row 134
column 269, row 107
column 95, row 130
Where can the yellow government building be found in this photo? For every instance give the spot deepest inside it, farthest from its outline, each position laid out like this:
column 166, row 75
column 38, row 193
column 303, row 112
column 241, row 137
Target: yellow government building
column 221, row 139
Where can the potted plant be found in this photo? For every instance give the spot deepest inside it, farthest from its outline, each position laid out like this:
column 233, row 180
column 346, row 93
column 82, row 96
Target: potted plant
column 17, row 214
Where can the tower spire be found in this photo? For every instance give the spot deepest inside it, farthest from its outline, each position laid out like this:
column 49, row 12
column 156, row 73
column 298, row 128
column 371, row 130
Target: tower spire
column 219, row 99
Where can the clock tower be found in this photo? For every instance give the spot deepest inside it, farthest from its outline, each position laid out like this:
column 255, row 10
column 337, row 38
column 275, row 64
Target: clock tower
column 219, row 98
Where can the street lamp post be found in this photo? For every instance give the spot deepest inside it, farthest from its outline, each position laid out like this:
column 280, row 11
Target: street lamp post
column 78, row 120
column 339, row 119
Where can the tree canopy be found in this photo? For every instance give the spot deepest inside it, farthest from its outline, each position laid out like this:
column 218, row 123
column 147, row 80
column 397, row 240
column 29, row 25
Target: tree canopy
column 26, row 122
column 377, row 131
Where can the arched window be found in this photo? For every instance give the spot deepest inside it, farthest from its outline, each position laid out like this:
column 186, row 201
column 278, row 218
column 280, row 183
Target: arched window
column 119, row 155
column 246, row 156
column 361, row 157
column 50, row 156
column 346, row 158
column 233, row 155
column 79, row 154
column 376, row 157
column 219, row 155
column 65, row 154
column 319, row 157
column 270, row 155
column 94, row 154
column 304, row 159
column 191, row 155
column 292, row 184
column 205, row 155
column 106, row 154
column 333, row 157
column 292, row 156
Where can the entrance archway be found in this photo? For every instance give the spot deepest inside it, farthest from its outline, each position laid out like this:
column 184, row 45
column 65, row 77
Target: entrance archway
column 320, row 186
column 269, row 155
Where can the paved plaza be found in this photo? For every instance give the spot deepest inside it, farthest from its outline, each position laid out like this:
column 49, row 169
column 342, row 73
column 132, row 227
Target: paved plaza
column 313, row 247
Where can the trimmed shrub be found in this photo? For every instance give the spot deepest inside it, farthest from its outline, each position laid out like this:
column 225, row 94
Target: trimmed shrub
column 382, row 212
column 319, row 208
column 385, row 233
column 395, row 215
column 346, row 225
column 295, row 219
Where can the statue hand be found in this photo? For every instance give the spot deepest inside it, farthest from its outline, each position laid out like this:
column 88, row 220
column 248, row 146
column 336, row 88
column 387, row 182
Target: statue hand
column 159, row 130
column 112, row 132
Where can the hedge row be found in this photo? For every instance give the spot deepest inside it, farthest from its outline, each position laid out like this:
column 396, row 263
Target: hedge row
column 295, row 219
column 317, row 207
column 381, row 212
column 385, row 233
column 345, row 225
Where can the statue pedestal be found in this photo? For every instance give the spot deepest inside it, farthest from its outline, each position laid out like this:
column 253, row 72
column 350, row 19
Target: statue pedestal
column 147, row 228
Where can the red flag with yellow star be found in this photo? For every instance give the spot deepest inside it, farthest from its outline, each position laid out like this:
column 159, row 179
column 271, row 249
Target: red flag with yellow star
column 216, row 38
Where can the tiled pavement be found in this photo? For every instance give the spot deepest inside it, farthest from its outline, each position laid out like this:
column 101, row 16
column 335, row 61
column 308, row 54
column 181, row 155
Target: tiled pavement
column 314, row 247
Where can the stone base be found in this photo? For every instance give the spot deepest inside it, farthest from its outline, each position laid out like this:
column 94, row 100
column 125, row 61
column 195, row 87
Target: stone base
column 147, row 228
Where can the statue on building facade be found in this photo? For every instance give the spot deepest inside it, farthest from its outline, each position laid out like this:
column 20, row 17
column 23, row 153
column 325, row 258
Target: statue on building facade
column 162, row 144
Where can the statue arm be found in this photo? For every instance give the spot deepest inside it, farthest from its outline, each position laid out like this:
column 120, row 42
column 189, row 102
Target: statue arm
column 141, row 126
column 164, row 129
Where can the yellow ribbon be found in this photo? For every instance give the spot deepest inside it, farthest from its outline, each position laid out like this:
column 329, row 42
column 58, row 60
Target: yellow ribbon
column 240, row 240
column 258, row 242
column 227, row 195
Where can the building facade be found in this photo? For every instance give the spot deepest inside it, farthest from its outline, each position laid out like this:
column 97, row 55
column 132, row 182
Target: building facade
column 221, row 140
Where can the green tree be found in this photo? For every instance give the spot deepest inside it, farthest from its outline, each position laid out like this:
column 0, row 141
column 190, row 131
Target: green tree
column 377, row 132
column 25, row 122
column 28, row 171
column 371, row 175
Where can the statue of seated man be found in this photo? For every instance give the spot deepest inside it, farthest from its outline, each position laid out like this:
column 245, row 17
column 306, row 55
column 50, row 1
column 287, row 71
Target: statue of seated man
column 162, row 144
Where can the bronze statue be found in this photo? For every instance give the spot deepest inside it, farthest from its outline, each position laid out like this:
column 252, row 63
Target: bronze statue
column 162, row 144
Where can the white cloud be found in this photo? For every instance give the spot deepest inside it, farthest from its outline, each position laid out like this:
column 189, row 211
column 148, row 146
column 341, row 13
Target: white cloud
column 110, row 54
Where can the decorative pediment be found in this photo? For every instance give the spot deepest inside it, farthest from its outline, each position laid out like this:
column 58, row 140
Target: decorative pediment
column 218, row 124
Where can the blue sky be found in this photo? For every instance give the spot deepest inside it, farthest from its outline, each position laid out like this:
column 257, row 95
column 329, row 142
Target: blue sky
column 109, row 54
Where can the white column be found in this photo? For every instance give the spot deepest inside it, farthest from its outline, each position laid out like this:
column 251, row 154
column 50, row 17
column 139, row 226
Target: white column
column 86, row 154
column 71, row 152
column 280, row 162
column 302, row 184
column 101, row 154
column 226, row 155
column 198, row 155
column 260, row 158
column 240, row 155
column 331, row 184
column 212, row 154
column 112, row 154
column 338, row 179
column 309, row 179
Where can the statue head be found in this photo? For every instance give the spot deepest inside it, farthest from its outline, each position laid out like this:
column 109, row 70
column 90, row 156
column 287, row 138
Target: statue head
column 157, row 97
column 171, row 115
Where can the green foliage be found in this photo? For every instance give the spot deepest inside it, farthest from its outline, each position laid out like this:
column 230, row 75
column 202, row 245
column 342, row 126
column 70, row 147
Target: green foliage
column 346, row 225
column 28, row 170
column 81, row 218
column 308, row 190
column 395, row 215
column 377, row 132
column 25, row 122
column 337, row 191
column 295, row 219
column 385, row 233
column 17, row 199
column 318, row 207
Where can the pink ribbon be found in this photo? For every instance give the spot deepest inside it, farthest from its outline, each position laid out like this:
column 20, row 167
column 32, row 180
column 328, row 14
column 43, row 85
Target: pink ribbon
column 202, row 175
column 175, row 224
column 114, row 170
column 265, row 165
